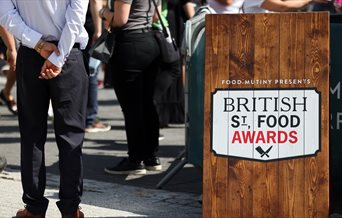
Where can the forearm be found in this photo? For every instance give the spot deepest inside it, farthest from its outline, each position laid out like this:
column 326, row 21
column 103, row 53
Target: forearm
column 120, row 17
column 189, row 9
column 75, row 19
column 12, row 21
column 8, row 39
column 121, row 13
column 95, row 7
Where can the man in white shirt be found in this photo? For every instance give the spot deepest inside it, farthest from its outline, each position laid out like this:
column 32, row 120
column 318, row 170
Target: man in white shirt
column 50, row 66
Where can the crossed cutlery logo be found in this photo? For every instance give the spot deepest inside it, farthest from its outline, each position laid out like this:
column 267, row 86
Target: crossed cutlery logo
column 262, row 152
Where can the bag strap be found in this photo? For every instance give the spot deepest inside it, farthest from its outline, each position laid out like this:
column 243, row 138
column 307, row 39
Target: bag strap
column 166, row 34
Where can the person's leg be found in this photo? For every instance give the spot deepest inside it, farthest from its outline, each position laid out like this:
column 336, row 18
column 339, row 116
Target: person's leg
column 137, row 83
column 10, row 80
column 150, row 115
column 128, row 88
column 6, row 92
column 92, row 104
column 134, row 56
column 92, row 124
column 69, row 98
column 33, row 101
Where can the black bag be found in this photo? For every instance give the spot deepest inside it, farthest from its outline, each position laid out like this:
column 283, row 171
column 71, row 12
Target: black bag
column 104, row 46
column 169, row 51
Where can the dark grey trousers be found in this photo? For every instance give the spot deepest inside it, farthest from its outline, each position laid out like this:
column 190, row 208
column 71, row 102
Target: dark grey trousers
column 68, row 93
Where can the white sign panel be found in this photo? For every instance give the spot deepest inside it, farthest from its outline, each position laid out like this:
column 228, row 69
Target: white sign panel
column 267, row 124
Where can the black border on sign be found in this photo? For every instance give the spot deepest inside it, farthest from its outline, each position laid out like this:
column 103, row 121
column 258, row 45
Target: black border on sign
column 260, row 89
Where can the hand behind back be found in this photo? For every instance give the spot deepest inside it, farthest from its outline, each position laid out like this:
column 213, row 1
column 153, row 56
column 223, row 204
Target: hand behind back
column 47, row 49
column 49, row 70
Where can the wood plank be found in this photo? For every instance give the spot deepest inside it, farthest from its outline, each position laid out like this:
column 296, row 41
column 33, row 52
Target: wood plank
column 219, row 72
column 266, row 67
column 316, row 68
column 292, row 56
column 240, row 200
column 217, row 59
column 208, row 179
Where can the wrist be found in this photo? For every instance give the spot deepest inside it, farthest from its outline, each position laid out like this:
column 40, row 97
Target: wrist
column 39, row 46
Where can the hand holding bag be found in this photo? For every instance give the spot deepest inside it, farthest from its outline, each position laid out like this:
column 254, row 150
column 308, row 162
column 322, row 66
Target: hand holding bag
column 103, row 47
column 168, row 48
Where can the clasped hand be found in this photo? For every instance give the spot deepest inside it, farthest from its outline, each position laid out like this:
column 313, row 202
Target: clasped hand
column 49, row 70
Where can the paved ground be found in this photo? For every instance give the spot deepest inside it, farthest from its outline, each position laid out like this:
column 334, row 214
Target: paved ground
column 106, row 195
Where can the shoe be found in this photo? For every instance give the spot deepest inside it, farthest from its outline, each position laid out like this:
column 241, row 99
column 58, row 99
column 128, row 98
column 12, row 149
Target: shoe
column 3, row 163
column 24, row 213
column 97, row 127
column 77, row 214
column 125, row 166
column 161, row 137
column 153, row 164
column 11, row 105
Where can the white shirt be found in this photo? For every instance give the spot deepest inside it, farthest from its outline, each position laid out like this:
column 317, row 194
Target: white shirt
column 51, row 20
column 225, row 9
column 238, row 6
column 253, row 6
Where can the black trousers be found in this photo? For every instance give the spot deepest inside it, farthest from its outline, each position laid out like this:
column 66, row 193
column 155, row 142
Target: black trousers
column 135, row 64
column 68, row 93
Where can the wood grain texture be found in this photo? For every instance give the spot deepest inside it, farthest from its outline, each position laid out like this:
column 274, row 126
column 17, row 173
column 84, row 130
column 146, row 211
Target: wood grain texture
column 292, row 65
column 240, row 58
column 217, row 167
column 316, row 68
column 266, row 67
column 266, row 47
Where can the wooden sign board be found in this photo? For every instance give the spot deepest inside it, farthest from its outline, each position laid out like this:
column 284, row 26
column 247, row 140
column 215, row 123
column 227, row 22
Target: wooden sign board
column 266, row 115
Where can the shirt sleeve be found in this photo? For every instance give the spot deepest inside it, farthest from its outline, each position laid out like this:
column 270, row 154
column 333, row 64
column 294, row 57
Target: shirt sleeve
column 75, row 19
column 12, row 21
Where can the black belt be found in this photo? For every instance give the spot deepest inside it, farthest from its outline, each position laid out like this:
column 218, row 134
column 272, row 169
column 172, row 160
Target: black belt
column 76, row 45
column 135, row 31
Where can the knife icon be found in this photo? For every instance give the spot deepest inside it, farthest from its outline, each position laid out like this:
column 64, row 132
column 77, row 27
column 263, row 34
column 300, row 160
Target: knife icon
column 267, row 151
column 262, row 152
